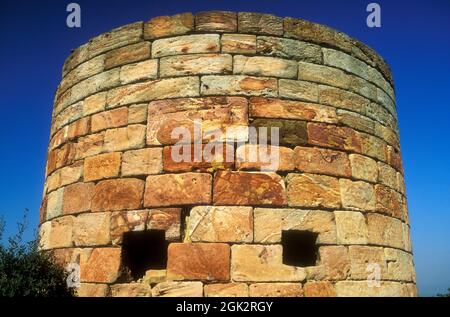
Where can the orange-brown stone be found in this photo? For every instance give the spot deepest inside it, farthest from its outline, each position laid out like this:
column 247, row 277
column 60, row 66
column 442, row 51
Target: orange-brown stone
column 334, row 136
column 77, row 198
column 322, row 161
column 118, row 194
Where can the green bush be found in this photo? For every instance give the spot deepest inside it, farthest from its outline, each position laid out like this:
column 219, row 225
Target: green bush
column 27, row 271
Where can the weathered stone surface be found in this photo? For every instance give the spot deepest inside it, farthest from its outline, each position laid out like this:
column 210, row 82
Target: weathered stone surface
column 389, row 202
column 92, row 290
column 102, row 166
column 400, row 266
column 169, row 25
column 54, row 204
column 333, row 264
column 127, row 54
column 220, row 224
column 214, row 156
column 373, row 146
column 346, row 62
column 387, row 175
column 216, row 21
column 109, row 119
column 131, row 290
column 276, row 290
column 342, row 99
column 238, row 85
column 226, row 290
column 362, row 260
column 264, row 158
column 60, row 157
column 100, row 265
column 310, row 190
column 362, row 289
column 197, row 64
column 394, row 158
column 209, row 115
column 198, row 261
column 78, row 128
column 351, row 227
column 248, row 188
column 56, row 233
column 260, row 23
column 78, row 55
column 137, row 113
column 323, row 75
column 66, row 116
column 322, row 161
column 357, row 195
column 178, row 289
column 89, row 145
column 126, row 138
column 319, row 289
column 167, row 219
column 291, row 132
column 94, row 103
column 385, row 231
column 138, row 71
column 300, row 90
column 334, row 136
column 239, row 43
column 92, row 229
column 406, row 237
column 363, row 167
column 287, row 48
column 177, row 189
column 264, row 66
column 363, row 87
column 117, row 194
column 77, row 198
column 153, row 89
column 154, row 277
column 288, row 109
column 187, row 44
column 142, row 162
column 260, row 263
column 356, row 121
column 269, row 223
column 125, row 221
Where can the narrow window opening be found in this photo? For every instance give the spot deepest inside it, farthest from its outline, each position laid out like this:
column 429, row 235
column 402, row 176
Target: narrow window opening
column 143, row 251
column 299, row 248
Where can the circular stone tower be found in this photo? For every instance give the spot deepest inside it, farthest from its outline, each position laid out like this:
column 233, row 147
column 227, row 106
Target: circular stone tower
column 159, row 181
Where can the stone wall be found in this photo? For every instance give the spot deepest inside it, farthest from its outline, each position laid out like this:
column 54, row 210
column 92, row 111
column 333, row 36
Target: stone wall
column 110, row 171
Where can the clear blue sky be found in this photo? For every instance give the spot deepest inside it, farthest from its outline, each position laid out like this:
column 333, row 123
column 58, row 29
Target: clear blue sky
column 414, row 39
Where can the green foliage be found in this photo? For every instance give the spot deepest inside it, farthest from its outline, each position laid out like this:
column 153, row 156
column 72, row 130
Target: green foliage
column 446, row 294
column 27, row 271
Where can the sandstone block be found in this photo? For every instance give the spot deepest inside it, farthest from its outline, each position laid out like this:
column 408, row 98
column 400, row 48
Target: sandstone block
column 142, row 162
column 177, row 189
column 109, row 119
column 288, row 48
column 167, row 219
column 100, row 265
column 126, row 138
column 127, row 54
column 363, row 167
column 247, row 188
column 125, row 221
column 264, row 158
column 357, row 195
column 260, row 23
column 178, row 289
column 288, row 109
column 220, row 224
column 102, row 166
column 264, row 66
column 226, row 290
column 216, row 21
column 385, row 231
column 394, row 158
column 342, row 99
column 138, row 71
column 310, row 190
column 276, row 290
column 131, row 290
column 387, row 175
column 356, row 121
column 94, row 103
column 346, row 62
column 78, row 128
column 269, row 223
column 92, row 290
column 197, row 64
column 239, row 43
column 169, row 25
column 56, row 233
column 291, row 132
column 342, row 138
column 89, row 145
column 323, row 75
column 77, row 198
column 373, row 146
column 187, row 44
column 319, row 289
column 389, row 202
column 92, row 229
column 322, row 161
column 400, row 266
column 333, row 264
column 54, row 204
column 238, row 85
column 351, row 227
column 154, row 277
column 137, row 113
column 362, row 289
column 117, row 194
column 300, row 90
column 362, row 258
column 198, row 261
column 260, row 263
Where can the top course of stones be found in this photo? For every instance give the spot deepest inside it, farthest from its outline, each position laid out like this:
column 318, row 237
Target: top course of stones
column 227, row 22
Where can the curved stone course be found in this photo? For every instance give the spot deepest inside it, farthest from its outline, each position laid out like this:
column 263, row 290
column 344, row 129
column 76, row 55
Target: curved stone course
column 110, row 170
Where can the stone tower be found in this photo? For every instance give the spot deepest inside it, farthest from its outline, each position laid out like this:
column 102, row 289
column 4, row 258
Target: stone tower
column 328, row 219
